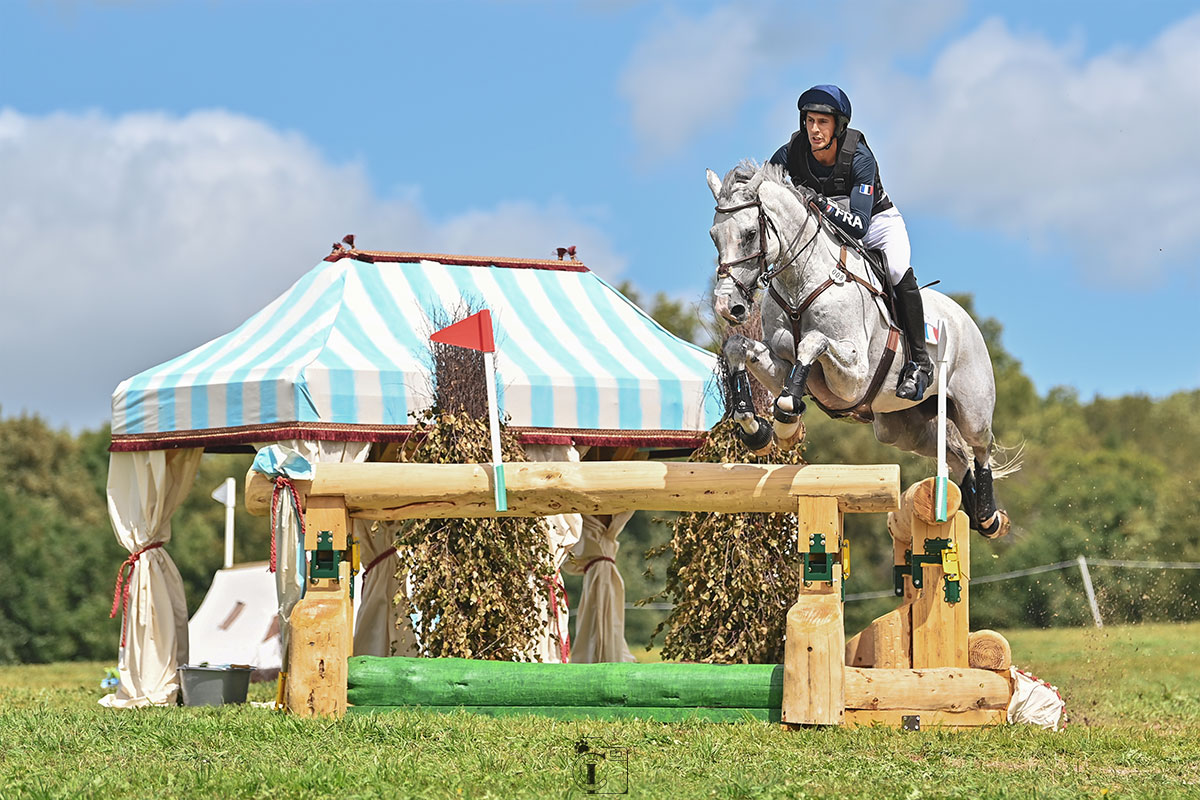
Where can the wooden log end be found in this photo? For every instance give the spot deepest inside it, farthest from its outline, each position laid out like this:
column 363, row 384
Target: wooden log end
column 899, row 526
column 921, row 497
column 988, row 650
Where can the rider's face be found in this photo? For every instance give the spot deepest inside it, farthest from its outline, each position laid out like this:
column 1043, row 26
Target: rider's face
column 819, row 128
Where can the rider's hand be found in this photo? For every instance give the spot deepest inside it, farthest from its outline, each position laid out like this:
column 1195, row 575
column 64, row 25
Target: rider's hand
column 820, row 202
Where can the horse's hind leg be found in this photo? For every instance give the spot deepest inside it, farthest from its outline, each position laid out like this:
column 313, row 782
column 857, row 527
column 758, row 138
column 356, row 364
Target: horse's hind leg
column 974, row 422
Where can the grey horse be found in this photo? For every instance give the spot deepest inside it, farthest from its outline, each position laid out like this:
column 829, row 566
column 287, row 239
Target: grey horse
column 827, row 333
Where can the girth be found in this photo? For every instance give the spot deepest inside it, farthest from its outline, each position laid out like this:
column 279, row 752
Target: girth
column 861, row 408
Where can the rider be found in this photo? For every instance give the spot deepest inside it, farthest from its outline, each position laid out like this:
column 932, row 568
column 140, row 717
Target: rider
column 832, row 159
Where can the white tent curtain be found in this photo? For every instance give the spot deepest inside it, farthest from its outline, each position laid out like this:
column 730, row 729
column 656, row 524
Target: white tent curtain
column 144, row 489
column 380, row 629
column 600, row 619
column 565, row 530
column 289, row 575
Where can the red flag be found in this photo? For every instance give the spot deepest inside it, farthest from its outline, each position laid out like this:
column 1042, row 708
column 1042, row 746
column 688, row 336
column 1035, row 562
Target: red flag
column 474, row 332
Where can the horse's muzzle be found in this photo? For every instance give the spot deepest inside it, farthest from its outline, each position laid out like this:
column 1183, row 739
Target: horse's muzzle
column 731, row 310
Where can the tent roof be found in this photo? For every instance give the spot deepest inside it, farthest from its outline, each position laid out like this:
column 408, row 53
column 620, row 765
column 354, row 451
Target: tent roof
column 343, row 354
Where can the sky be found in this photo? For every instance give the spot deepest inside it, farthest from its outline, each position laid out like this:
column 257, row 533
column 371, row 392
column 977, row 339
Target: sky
column 168, row 168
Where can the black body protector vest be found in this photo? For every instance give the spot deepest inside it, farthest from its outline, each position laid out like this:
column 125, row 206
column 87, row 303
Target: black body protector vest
column 839, row 183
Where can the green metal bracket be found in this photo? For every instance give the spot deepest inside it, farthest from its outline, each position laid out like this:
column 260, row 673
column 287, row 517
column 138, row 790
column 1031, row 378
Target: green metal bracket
column 818, row 565
column 325, row 561
column 942, row 553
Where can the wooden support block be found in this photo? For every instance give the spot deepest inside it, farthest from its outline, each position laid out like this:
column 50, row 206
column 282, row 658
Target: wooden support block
column 886, row 643
column 974, row 718
column 326, row 513
column 989, row 650
column 813, row 672
column 941, row 689
column 939, row 628
column 319, row 647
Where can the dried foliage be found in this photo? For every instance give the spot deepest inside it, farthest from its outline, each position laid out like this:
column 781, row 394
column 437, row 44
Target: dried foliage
column 732, row 577
column 478, row 586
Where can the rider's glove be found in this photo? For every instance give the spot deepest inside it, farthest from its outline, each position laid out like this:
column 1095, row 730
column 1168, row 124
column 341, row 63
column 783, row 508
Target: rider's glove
column 821, row 203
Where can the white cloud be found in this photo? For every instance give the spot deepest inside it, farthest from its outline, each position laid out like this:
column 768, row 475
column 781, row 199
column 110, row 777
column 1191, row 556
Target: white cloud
column 690, row 73
column 129, row 240
column 1029, row 136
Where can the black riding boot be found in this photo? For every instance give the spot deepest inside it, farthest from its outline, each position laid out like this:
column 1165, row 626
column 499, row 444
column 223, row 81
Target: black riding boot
column 918, row 372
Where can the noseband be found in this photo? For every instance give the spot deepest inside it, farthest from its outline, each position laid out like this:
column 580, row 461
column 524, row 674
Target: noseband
column 723, row 266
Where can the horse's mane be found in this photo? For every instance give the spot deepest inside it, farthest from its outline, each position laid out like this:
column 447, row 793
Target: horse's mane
column 741, row 175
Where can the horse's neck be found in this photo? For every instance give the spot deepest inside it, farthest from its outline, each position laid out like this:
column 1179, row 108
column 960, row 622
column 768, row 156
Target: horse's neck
column 815, row 257
column 811, row 252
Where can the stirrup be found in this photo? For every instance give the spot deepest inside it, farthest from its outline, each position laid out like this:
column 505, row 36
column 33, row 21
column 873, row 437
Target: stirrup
column 914, row 380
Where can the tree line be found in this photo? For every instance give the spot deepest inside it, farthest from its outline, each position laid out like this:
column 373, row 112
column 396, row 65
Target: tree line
column 1114, row 478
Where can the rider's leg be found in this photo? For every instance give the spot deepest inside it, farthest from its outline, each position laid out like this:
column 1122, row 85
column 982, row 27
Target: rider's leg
column 918, row 373
column 888, row 233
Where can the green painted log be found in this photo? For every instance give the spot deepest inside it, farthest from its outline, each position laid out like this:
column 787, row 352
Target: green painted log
column 596, row 712
column 402, row 681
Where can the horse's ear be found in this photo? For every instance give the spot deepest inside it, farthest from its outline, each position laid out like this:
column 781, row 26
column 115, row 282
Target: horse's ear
column 714, row 183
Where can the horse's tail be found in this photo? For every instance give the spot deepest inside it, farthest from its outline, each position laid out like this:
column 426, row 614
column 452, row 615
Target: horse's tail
column 1003, row 461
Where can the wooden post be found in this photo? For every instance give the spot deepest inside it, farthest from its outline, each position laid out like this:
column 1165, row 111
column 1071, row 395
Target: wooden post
column 940, row 629
column 320, row 643
column 814, row 681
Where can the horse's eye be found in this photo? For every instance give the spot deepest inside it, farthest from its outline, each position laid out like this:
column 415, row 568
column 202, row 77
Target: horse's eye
column 750, row 234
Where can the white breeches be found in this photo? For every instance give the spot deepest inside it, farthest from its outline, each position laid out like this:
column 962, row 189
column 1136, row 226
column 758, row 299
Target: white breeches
column 887, row 233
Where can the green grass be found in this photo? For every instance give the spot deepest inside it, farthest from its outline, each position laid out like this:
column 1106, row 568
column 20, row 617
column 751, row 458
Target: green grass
column 1133, row 694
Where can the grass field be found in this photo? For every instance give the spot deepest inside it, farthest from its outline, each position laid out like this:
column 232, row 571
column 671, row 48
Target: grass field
column 1133, row 695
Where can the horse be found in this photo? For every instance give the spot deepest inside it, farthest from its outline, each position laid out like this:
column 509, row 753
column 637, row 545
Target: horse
column 827, row 333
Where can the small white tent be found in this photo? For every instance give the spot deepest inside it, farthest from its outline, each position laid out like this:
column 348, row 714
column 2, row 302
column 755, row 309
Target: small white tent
column 238, row 622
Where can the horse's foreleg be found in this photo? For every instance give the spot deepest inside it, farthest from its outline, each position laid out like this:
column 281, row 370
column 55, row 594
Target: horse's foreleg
column 789, row 405
column 771, row 371
column 754, row 431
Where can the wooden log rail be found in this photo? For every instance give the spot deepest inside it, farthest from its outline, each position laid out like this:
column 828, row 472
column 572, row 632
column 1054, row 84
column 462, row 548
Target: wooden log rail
column 416, row 491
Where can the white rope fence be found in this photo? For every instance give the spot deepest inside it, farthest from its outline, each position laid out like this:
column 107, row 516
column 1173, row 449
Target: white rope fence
column 1082, row 562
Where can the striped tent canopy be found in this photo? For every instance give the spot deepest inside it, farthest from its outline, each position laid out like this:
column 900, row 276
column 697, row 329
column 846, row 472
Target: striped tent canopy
column 343, row 355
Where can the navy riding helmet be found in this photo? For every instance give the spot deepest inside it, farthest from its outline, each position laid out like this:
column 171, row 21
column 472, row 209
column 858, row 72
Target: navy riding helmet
column 826, row 99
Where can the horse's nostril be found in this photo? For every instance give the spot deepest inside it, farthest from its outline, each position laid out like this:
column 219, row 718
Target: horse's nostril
column 738, row 310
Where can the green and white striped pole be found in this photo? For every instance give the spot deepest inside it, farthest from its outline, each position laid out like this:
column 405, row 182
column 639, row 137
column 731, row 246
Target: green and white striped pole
column 489, row 364
column 943, row 477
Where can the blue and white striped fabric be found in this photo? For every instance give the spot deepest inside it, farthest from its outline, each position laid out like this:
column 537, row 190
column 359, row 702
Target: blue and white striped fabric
column 348, row 345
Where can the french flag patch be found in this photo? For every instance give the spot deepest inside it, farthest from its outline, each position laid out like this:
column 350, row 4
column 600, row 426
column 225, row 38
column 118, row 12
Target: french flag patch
column 931, row 333
column 866, row 188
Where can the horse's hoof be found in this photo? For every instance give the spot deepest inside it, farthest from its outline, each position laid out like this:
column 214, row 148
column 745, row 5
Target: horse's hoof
column 757, row 441
column 997, row 527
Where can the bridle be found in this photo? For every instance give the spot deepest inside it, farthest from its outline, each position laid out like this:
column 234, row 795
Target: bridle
column 765, row 275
